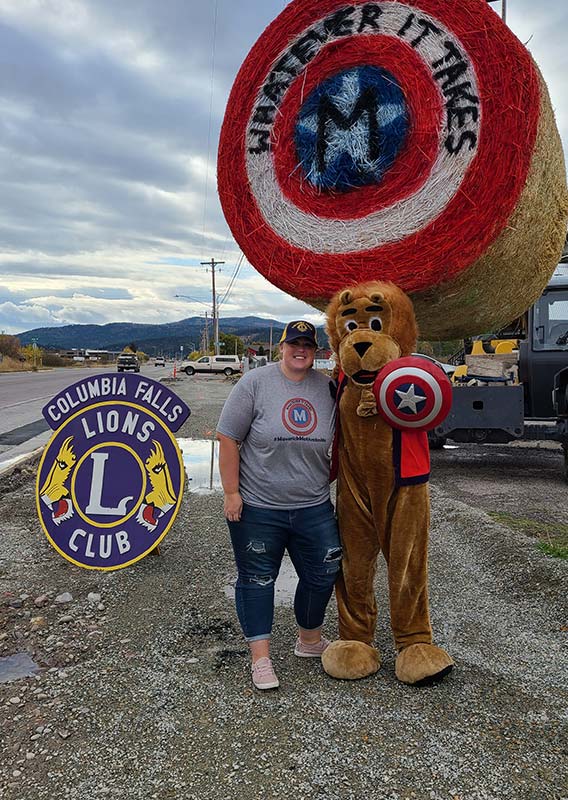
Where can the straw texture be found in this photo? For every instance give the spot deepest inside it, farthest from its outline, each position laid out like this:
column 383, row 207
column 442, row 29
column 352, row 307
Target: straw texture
column 412, row 142
column 512, row 274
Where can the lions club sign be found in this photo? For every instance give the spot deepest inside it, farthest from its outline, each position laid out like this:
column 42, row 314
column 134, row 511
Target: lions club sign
column 111, row 479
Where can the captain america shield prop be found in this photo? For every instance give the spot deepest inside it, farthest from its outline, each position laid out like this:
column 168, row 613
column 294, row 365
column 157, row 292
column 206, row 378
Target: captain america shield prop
column 389, row 140
column 413, row 393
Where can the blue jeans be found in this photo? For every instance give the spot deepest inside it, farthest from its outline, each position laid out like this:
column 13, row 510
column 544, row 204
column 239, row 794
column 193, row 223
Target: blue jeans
column 259, row 540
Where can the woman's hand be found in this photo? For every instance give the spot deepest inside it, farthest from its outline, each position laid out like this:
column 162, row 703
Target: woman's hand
column 233, row 506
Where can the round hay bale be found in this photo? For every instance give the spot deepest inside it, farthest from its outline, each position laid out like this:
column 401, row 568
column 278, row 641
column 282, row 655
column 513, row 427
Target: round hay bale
column 410, row 141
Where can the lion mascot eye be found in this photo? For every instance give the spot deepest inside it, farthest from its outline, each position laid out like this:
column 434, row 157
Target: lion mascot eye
column 351, row 325
column 375, row 324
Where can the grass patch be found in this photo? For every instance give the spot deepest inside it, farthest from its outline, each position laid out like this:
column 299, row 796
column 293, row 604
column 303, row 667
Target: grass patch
column 552, row 536
column 11, row 365
column 555, row 550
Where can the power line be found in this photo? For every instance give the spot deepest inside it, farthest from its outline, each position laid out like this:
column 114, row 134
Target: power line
column 234, row 276
column 210, row 119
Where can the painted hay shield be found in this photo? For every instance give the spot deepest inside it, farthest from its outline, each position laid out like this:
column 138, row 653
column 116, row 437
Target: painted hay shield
column 404, row 141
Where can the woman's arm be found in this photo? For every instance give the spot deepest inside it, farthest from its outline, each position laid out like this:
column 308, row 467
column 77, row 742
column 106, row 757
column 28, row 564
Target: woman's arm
column 229, row 461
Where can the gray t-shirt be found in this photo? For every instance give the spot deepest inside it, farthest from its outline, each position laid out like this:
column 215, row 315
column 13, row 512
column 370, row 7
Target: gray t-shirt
column 286, row 430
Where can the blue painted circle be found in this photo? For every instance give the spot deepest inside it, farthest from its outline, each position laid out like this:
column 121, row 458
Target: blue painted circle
column 351, row 128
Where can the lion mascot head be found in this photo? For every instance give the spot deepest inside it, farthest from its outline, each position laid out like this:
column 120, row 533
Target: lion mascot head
column 370, row 324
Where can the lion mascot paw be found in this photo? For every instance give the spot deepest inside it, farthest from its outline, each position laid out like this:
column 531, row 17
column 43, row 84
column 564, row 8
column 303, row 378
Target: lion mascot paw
column 350, row 660
column 382, row 461
column 422, row 664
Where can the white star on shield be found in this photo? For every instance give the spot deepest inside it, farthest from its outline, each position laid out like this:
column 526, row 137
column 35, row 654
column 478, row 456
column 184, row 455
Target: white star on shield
column 409, row 399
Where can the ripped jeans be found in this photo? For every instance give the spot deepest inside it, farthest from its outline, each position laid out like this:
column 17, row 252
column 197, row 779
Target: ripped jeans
column 311, row 537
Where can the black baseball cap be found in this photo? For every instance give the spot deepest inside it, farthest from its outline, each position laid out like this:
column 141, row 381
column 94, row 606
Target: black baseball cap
column 299, row 329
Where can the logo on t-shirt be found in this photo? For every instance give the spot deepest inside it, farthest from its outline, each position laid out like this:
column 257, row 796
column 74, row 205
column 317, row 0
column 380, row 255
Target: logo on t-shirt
column 299, row 417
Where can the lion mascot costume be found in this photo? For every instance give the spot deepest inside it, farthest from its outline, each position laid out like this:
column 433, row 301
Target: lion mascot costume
column 380, row 506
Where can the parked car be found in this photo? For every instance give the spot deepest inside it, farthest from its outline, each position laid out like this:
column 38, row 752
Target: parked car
column 228, row 365
column 159, row 362
column 127, row 361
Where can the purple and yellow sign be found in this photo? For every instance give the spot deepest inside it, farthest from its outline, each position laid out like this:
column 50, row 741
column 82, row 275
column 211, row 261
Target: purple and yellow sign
column 110, row 481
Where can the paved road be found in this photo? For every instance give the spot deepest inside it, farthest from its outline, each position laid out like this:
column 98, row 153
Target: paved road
column 23, row 395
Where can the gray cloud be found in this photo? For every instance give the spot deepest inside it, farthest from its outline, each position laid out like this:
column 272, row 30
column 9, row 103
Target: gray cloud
column 105, row 132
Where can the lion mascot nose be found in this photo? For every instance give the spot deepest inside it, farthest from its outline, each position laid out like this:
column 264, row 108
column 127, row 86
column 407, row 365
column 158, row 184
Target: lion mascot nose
column 361, row 348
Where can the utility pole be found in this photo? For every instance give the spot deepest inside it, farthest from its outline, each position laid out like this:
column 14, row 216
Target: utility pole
column 213, row 264
column 503, row 8
column 206, row 335
column 270, row 346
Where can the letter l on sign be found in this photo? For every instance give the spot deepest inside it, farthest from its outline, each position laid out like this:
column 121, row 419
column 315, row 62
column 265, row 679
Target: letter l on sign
column 95, row 500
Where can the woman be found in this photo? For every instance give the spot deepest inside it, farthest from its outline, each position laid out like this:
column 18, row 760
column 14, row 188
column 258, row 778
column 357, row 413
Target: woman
column 275, row 434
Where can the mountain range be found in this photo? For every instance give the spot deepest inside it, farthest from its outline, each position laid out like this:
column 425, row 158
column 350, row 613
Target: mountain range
column 166, row 338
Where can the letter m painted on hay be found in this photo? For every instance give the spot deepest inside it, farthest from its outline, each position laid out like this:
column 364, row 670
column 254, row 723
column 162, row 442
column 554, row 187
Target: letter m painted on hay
column 329, row 113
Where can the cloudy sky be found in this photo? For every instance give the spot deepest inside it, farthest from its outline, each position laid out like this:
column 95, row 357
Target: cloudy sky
column 110, row 117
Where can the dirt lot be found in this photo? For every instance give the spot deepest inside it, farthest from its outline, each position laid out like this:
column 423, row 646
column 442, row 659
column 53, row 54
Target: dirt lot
column 145, row 693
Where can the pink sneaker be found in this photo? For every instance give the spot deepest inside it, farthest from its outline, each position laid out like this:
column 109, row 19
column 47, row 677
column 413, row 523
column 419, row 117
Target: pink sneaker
column 263, row 675
column 311, row 650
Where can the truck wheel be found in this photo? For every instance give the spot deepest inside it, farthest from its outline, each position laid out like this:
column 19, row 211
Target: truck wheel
column 189, row 371
column 436, row 442
column 228, row 371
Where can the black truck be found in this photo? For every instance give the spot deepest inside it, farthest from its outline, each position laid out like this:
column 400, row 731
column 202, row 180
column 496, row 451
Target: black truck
column 531, row 403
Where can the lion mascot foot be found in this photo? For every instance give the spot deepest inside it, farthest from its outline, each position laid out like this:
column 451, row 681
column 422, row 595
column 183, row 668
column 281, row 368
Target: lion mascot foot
column 350, row 660
column 422, row 664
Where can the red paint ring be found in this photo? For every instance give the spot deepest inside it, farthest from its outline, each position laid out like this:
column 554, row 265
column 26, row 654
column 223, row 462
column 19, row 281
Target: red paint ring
column 414, row 163
column 473, row 219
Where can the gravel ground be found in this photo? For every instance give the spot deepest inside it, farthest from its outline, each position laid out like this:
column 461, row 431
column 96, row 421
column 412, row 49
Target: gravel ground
column 145, row 691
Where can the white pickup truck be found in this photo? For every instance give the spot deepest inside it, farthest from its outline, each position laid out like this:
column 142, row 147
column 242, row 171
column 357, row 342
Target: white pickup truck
column 228, row 365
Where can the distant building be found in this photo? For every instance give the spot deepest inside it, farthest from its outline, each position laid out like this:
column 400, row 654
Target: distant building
column 88, row 354
column 104, row 356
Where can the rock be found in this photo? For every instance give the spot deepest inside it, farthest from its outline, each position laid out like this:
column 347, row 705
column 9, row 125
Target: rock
column 24, row 597
column 64, row 734
column 41, row 600
column 37, row 623
column 35, row 736
column 16, row 773
column 66, row 597
column 17, row 603
column 100, row 607
column 30, row 755
column 66, row 618
column 94, row 598
column 15, row 700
